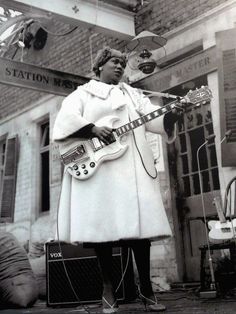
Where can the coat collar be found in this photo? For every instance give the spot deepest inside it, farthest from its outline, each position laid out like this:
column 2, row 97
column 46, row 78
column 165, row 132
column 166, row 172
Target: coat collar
column 102, row 90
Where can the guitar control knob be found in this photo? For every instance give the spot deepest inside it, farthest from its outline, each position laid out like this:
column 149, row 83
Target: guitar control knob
column 92, row 164
column 75, row 167
column 83, row 166
column 85, row 171
column 77, row 173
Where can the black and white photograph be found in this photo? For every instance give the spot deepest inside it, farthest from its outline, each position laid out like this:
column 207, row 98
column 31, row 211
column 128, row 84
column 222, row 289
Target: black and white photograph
column 117, row 156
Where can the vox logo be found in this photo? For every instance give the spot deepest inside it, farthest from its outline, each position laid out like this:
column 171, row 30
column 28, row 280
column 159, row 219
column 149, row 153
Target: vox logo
column 55, row 255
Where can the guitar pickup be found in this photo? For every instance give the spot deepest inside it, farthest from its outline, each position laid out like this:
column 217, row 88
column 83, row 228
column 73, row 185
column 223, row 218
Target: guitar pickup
column 97, row 144
column 225, row 229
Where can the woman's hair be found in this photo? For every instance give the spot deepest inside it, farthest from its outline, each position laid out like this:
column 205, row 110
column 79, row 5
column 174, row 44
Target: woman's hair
column 104, row 55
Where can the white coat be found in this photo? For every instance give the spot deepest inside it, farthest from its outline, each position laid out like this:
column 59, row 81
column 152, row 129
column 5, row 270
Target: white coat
column 121, row 200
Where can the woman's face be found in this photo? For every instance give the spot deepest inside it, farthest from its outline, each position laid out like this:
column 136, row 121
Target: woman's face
column 112, row 71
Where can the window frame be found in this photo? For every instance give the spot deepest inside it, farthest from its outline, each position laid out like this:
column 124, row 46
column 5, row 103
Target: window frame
column 41, row 150
column 9, row 175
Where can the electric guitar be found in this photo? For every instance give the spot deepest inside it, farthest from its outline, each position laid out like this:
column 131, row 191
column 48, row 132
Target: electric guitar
column 221, row 229
column 82, row 158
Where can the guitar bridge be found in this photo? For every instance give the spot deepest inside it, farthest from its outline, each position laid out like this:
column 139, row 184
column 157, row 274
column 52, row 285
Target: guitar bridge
column 73, row 154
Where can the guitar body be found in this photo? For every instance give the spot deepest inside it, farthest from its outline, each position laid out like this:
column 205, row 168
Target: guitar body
column 222, row 231
column 82, row 158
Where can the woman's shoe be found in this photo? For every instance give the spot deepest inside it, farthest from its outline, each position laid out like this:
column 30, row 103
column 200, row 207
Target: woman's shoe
column 152, row 305
column 108, row 308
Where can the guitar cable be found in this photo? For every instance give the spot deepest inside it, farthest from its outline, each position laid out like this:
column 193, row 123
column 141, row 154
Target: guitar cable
column 141, row 157
column 65, row 269
column 136, row 145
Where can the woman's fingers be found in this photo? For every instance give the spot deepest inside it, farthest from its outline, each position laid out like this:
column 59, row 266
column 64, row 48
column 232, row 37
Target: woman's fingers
column 104, row 134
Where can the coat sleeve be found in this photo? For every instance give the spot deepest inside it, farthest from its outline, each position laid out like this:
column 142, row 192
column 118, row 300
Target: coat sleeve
column 155, row 125
column 70, row 117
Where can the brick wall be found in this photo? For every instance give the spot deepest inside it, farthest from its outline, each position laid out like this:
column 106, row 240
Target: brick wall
column 73, row 53
column 161, row 16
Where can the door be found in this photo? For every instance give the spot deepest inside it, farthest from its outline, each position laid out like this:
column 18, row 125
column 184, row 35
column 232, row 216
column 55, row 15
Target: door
column 192, row 198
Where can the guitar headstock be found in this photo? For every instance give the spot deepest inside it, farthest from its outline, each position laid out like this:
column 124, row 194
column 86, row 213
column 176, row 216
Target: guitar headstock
column 199, row 96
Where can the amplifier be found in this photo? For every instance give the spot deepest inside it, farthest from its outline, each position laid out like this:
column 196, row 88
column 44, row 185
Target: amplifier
column 73, row 275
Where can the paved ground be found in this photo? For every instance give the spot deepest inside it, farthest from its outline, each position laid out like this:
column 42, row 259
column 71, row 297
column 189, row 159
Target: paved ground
column 185, row 301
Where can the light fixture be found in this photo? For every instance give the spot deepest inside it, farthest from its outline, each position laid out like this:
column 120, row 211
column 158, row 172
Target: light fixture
column 25, row 39
column 142, row 44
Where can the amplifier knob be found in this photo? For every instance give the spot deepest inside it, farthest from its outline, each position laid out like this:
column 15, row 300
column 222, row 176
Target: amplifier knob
column 85, row 171
column 92, row 164
column 77, row 173
column 75, row 167
column 83, row 166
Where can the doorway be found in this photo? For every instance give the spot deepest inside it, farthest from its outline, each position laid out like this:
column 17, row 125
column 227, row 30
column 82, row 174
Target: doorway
column 192, row 130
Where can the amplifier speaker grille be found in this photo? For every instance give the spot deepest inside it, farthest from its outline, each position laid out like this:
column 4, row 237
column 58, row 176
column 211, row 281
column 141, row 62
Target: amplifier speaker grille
column 84, row 275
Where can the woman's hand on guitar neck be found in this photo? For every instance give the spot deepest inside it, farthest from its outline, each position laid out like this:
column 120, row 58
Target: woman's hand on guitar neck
column 171, row 118
column 104, row 133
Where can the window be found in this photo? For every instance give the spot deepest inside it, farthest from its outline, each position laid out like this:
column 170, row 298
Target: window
column 194, row 127
column 8, row 171
column 44, row 167
column 2, row 160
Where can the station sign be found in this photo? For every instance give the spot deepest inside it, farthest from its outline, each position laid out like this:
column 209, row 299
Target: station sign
column 21, row 74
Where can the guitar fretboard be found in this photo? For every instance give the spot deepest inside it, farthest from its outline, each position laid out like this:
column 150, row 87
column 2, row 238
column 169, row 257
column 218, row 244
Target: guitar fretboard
column 144, row 119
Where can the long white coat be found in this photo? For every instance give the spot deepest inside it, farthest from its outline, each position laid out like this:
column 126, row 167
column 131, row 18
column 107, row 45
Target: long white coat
column 121, row 200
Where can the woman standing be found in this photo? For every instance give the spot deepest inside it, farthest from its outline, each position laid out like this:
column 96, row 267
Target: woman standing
column 121, row 202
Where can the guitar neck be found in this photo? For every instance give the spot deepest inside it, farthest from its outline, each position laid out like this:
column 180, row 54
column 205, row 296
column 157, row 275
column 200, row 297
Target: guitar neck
column 144, row 119
column 217, row 203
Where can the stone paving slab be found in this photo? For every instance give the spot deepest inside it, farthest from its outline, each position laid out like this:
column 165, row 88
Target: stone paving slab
column 185, row 302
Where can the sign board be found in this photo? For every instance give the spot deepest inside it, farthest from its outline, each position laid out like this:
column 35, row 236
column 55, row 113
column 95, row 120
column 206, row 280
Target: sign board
column 38, row 78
